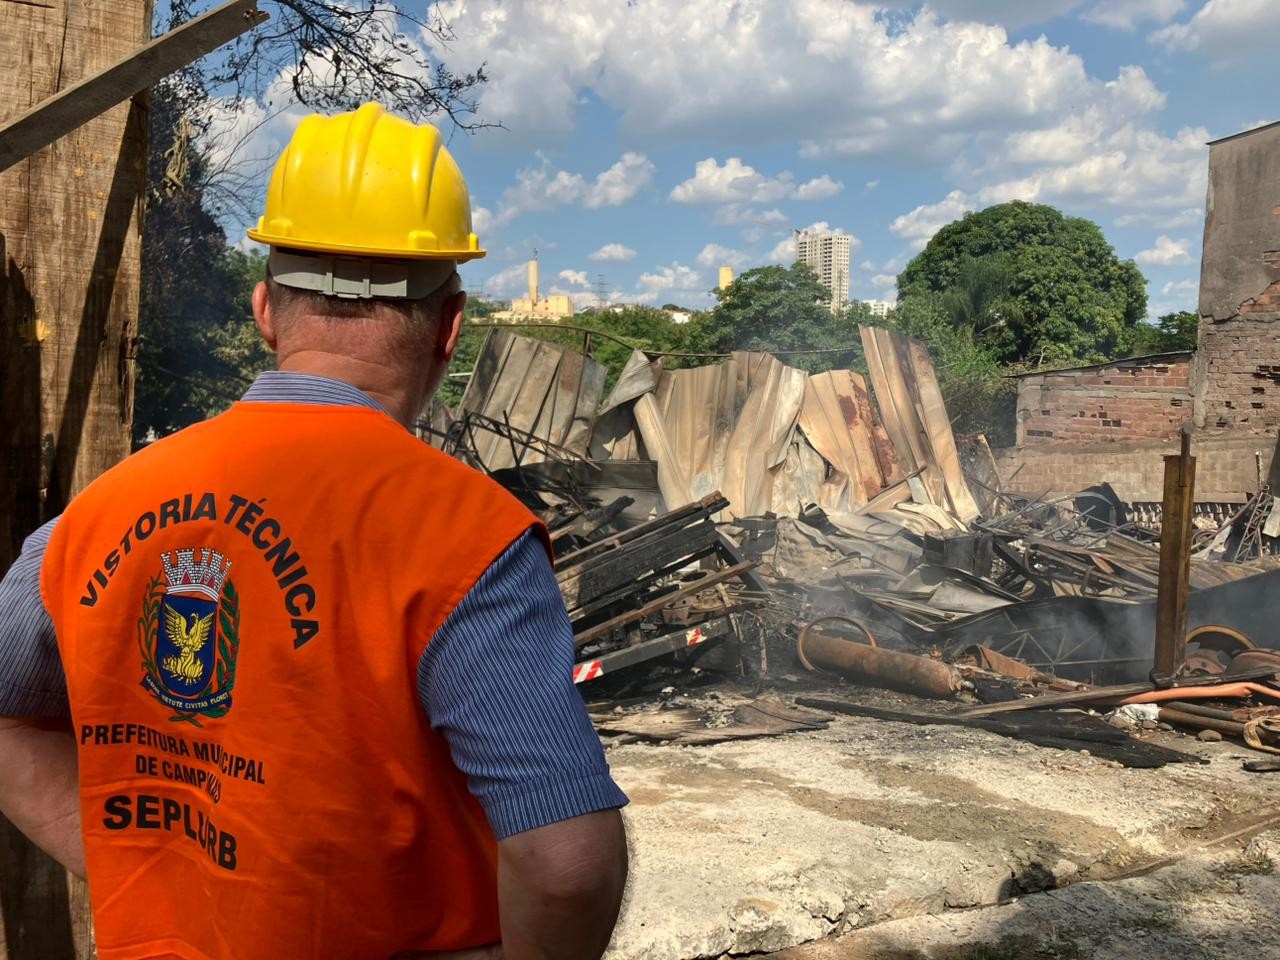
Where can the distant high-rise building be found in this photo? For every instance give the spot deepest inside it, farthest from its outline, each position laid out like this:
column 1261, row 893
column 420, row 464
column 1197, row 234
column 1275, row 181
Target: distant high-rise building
column 878, row 308
column 828, row 254
column 726, row 277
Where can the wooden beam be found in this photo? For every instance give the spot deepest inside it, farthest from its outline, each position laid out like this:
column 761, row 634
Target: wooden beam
column 70, row 235
column 94, row 95
column 1175, row 560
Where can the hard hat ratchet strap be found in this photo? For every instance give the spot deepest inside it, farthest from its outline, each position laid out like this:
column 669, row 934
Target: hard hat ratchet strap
column 359, row 278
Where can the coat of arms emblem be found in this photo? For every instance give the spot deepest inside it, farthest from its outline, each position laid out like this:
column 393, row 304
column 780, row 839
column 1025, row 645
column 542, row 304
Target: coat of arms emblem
column 189, row 635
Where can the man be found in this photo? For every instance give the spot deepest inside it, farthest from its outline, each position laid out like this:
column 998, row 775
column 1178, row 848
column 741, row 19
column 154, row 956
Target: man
column 317, row 674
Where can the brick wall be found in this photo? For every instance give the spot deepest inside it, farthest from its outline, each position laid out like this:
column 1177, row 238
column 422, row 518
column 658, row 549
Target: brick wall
column 1122, row 402
column 1238, row 374
column 1226, row 467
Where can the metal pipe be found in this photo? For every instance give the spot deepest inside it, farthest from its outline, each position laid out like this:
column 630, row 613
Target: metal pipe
column 869, row 663
column 1200, row 710
column 1196, row 722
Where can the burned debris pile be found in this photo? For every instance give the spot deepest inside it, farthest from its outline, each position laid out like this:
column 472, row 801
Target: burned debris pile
column 747, row 518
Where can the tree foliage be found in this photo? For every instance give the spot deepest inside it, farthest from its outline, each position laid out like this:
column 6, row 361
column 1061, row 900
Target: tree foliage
column 198, row 347
column 1171, row 333
column 1033, row 284
column 777, row 309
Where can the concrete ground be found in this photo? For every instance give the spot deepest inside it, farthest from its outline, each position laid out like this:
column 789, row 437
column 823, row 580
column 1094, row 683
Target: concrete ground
column 755, row 846
column 1215, row 905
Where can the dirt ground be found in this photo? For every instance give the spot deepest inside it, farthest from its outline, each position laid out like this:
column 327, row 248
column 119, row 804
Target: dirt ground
column 871, row 828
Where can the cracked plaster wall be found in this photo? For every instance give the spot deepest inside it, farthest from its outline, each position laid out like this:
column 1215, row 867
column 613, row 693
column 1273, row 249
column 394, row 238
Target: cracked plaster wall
column 1236, row 375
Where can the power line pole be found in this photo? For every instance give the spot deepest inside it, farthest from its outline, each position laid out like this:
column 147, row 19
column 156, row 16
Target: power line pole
column 602, row 292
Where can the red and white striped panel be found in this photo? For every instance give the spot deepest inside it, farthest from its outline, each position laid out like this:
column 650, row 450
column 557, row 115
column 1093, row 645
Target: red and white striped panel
column 694, row 637
column 589, row 670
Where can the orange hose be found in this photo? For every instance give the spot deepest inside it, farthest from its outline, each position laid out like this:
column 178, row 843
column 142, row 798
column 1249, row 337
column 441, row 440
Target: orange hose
column 1195, row 693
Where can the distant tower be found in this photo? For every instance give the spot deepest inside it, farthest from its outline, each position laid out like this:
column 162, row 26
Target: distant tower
column 602, row 292
column 533, row 277
column 726, row 277
column 828, row 255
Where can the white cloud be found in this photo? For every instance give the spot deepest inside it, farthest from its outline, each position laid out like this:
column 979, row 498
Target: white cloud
column 883, row 280
column 738, row 183
column 539, row 189
column 512, row 281
column 924, row 221
column 669, row 282
column 1162, row 220
column 1166, row 253
column 1180, row 288
column 871, row 185
column 577, row 278
column 678, row 69
column 481, row 220
column 739, row 215
column 613, row 253
column 867, row 266
column 1225, row 29
column 620, row 182
column 1008, row 13
column 784, row 252
column 1127, row 14
column 714, row 256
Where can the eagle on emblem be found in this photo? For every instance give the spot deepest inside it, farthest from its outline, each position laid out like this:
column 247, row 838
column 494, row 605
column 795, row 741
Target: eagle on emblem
column 190, row 640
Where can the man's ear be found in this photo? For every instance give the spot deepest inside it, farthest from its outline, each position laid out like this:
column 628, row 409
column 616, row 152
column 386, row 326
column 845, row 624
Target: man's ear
column 450, row 327
column 263, row 316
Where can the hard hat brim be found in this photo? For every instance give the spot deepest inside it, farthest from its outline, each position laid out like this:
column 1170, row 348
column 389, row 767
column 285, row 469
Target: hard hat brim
column 295, row 243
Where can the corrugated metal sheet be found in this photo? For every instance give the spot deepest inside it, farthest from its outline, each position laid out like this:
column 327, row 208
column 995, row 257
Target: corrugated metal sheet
column 838, row 419
column 733, row 427
column 911, row 407
column 537, row 387
column 728, row 427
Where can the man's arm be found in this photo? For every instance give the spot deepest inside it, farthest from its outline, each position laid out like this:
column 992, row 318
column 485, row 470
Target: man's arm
column 552, row 879
column 497, row 683
column 39, row 789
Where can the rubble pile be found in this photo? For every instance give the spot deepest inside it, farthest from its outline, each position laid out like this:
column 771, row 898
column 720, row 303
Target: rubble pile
column 817, row 524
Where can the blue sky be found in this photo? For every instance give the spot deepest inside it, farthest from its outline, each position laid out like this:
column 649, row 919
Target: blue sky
column 651, row 141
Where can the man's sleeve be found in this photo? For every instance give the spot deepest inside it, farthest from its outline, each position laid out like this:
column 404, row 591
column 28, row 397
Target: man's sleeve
column 32, row 683
column 496, row 681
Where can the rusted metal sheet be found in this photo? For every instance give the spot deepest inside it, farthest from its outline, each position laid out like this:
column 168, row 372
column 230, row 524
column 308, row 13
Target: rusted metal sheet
column 838, row 420
column 910, row 402
column 535, row 387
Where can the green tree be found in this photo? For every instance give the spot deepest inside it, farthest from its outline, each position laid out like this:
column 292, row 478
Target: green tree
column 1066, row 296
column 194, row 296
column 779, row 309
column 1171, row 333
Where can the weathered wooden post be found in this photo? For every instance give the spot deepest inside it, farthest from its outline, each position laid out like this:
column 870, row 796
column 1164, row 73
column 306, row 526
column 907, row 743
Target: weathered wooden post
column 73, row 162
column 1175, row 560
column 70, row 216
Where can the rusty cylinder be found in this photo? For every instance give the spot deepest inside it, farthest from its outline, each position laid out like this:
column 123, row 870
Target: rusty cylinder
column 874, row 666
column 1195, row 721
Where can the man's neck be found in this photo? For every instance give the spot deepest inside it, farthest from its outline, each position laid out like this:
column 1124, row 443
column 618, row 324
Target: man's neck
column 398, row 389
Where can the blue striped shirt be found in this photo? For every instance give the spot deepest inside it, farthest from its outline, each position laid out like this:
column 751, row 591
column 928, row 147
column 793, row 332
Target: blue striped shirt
column 495, row 681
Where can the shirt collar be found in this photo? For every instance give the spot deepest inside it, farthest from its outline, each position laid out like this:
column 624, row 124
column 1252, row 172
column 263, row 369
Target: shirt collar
column 285, row 386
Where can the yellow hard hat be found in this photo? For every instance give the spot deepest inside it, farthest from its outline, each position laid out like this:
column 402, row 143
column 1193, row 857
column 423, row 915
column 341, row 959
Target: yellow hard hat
column 369, row 184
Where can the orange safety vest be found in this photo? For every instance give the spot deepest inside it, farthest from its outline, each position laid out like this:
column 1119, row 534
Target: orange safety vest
column 240, row 610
